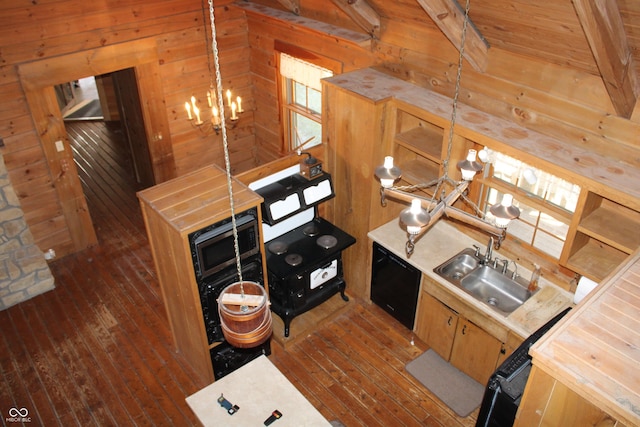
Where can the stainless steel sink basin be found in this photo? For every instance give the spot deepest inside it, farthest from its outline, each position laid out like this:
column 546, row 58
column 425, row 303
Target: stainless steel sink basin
column 485, row 283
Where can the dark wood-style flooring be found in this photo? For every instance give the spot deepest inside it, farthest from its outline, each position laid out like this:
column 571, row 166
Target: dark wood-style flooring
column 97, row 350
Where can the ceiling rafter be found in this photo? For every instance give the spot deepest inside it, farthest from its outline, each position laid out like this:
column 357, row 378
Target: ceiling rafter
column 602, row 24
column 362, row 14
column 291, row 5
column 449, row 17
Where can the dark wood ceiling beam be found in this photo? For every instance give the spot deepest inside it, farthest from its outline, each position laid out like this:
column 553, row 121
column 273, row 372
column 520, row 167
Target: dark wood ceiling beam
column 291, row 5
column 449, row 17
column 602, row 24
column 362, row 14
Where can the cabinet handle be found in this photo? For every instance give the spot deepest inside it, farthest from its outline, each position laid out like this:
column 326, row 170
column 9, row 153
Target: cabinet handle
column 449, row 321
column 464, row 330
column 503, row 350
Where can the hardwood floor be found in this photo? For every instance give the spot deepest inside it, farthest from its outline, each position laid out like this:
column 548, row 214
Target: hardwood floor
column 97, row 350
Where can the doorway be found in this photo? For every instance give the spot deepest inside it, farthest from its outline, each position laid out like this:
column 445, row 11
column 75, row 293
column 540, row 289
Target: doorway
column 113, row 99
column 38, row 80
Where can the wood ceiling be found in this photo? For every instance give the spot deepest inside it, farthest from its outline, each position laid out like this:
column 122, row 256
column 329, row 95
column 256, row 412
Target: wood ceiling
column 601, row 37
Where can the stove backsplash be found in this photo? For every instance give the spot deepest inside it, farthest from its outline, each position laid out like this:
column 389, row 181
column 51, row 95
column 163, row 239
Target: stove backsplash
column 290, row 199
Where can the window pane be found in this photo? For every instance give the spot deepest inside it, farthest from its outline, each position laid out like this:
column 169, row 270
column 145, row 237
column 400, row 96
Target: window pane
column 300, row 94
column 303, row 129
column 315, row 101
column 548, row 244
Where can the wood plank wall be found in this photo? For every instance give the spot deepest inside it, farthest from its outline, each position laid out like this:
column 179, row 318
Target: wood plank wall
column 36, row 31
column 569, row 103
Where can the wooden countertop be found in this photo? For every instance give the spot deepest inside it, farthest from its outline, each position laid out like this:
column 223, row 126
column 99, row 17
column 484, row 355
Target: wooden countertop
column 443, row 241
column 595, row 350
column 197, row 199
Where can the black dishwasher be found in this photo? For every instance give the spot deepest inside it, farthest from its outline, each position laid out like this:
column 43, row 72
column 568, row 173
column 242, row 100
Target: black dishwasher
column 394, row 285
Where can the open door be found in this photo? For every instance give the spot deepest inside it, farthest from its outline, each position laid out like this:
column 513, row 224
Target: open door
column 132, row 120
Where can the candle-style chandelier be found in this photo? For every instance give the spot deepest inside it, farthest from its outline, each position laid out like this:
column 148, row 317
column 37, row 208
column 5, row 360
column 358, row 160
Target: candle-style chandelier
column 210, row 119
column 425, row 211
column 196, row 115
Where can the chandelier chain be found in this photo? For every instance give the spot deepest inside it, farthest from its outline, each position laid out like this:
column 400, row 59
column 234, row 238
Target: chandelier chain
column 225, row 145
column 456, row 93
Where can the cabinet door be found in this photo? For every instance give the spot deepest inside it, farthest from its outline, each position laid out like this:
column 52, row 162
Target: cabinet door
column 436, row 325
column 474, row 351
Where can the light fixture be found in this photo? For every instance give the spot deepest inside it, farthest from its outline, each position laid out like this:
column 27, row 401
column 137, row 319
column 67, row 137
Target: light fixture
column 504, row 211
column 469, row 167
column 211, row 118
column 388, row 174
column 243, row 306
column 423, row 211
column 195, row 114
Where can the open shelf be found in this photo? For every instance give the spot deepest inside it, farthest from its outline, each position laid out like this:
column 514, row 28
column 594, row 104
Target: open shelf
column 596, row 260
column 614, row 225
column 423, row 141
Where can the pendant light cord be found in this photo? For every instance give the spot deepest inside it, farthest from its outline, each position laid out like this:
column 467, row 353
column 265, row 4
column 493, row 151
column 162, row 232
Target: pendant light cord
column 225, row 145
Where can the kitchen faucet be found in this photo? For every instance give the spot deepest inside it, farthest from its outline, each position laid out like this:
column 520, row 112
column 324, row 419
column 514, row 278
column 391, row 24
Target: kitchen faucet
column 487, row 254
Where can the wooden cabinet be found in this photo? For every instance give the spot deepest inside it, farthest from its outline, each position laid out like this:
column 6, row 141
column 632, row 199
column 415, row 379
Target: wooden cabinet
column 456, row 339
column 436, row 325
column 171, row 211
column 603, row 235
column 475, row 352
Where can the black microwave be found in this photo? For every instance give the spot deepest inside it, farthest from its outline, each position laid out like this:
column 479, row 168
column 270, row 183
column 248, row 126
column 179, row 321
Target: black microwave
column 213, row 248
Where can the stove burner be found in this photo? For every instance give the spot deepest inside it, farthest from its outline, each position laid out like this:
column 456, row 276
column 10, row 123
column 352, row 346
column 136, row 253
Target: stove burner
column 278, row 247
column 327, row 241
column 293, row 259
column 310, row 230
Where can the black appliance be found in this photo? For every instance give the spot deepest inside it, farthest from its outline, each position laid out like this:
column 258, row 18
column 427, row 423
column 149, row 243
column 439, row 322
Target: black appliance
column 213, row 247
column 214, row 261
column 226, row 358
column 395, row 285
column 505, row 387
column 305, row 268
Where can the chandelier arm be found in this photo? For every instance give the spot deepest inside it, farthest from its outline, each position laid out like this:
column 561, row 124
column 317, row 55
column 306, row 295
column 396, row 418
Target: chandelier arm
column 472, row 220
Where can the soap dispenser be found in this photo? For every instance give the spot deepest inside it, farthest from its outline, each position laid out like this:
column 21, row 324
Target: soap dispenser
column 535, row 278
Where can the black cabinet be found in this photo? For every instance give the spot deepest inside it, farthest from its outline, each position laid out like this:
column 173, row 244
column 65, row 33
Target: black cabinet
column 395, row 285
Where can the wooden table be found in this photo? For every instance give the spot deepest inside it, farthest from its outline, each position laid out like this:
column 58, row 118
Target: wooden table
column 258, row 388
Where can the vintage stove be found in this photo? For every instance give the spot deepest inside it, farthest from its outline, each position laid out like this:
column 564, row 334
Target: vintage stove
column 303, row 250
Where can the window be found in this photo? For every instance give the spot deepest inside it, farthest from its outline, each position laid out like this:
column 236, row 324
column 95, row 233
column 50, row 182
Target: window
column 546, row 202
column 302, row 101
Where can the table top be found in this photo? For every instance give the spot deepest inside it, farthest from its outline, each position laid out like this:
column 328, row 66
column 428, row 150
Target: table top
column 257, row 388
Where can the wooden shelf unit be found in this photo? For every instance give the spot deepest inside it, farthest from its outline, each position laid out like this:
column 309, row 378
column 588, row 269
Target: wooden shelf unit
column 171, row 211
column 604, row 234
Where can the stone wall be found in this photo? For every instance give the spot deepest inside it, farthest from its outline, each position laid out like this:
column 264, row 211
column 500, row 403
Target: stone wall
column 24, row 272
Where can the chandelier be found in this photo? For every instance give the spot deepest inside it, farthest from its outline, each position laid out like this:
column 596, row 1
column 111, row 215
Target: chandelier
column 209, row 119
column 423, row 211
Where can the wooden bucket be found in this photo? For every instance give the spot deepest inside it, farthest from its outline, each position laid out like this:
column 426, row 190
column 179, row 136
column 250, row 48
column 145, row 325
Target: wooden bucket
column 245, row 321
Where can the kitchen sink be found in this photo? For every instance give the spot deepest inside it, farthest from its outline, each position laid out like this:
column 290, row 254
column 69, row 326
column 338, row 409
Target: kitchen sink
column 504, row 292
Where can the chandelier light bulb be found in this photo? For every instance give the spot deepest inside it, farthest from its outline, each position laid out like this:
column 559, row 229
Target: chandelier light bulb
column 505, row 211
column 388, row 174
column 470, row 166
column 414, row 217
